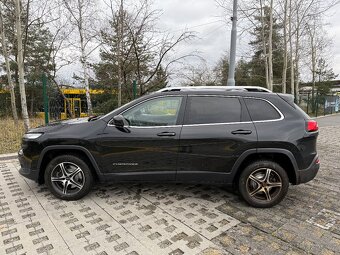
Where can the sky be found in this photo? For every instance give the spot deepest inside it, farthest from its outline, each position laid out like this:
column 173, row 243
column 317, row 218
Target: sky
column 215, row 37
column 212, row 28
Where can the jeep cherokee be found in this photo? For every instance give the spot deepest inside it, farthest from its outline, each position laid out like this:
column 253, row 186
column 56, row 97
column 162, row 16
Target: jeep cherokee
column 247, row 137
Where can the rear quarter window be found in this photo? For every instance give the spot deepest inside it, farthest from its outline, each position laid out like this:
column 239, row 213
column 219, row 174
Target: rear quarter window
column 261, row 110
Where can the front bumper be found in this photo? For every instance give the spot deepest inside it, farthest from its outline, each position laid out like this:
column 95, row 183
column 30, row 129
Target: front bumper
column 309, row 173
column 26, row 167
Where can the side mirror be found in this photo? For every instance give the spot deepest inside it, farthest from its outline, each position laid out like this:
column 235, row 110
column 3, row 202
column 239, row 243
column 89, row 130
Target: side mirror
column 120, row 121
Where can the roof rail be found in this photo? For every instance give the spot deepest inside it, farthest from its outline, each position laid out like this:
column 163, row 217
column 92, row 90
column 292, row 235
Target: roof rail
column 217, row 88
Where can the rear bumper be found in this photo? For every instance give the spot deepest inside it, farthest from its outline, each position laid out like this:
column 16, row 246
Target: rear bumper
column 26, row 167
column 308, row 174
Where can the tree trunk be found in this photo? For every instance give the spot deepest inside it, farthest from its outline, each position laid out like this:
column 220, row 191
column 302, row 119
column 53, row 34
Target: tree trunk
column 313, row 66
column 120, row 44
column 297, row 59
column 8, row 69
column 285, row 50
column 292, row 75
column 20, row 64
column 297, row 72
column 264, row 47
column 84, row 59
column 32, row 102
column 270, row 47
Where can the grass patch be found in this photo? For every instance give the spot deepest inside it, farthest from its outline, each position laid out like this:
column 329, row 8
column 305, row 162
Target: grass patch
column 10, row 136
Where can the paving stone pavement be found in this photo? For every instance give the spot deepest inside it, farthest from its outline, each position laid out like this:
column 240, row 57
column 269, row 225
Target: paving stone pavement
column 172, row 219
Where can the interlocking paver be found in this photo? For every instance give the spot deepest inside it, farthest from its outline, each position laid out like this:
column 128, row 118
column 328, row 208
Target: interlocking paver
column 172, row 218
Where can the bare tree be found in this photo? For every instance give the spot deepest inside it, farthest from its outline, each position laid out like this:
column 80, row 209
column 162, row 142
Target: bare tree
column 285, row 45
column 291, row 49
column 198, row 75
column 264, row 44
column 83, row 17
column 270, row 46
column 317, row 50
column 20, row 63
column 120, row 50
column 8, row 68
column 140, row 40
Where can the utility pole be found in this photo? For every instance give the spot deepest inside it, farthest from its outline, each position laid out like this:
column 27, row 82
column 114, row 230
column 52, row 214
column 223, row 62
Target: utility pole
column 232, row 64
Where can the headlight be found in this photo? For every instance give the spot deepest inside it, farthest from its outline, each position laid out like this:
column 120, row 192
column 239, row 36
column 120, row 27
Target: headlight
column 32, row 135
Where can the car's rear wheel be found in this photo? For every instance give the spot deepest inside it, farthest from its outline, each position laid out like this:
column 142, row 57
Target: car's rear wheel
column 68, row 177
column 263, row 184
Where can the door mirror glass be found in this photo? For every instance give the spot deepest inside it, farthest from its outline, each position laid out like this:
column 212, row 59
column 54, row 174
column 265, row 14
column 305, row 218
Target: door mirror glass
column 120, row 121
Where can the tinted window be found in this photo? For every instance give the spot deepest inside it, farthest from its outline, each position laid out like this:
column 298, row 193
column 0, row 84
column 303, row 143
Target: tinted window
column 156, row 112
column 205, row 110
column 261, row 110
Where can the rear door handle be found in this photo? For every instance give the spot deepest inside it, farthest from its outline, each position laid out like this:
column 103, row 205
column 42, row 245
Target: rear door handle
column 241, row 132
column 166, row 134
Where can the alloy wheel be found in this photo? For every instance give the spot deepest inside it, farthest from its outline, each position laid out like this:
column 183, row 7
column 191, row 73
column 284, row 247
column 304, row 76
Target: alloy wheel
column 264, row 184
column 68, row 178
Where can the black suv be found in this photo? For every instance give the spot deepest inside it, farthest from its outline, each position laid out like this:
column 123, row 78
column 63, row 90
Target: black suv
column 247, row 137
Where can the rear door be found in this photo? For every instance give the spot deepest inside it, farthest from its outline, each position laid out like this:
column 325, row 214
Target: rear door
column 216, row 131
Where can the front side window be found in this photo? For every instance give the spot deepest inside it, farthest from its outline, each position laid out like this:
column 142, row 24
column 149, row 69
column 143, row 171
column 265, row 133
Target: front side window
column 261, row 110
column 155, row 112
column 212, row 110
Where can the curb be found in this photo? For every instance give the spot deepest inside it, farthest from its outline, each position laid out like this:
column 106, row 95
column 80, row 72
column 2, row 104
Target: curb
column 8, row 156
column 329, row 115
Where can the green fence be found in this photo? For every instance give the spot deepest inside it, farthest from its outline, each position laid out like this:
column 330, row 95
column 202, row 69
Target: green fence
column 319, row 104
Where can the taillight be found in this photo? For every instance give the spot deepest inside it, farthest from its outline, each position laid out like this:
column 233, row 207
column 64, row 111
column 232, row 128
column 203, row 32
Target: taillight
column 312, row 126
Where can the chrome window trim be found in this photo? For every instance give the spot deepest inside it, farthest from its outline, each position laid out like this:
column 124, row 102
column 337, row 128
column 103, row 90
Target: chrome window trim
column 207, row 124
column 217, row 124
column 148, row 127
column 277, row 110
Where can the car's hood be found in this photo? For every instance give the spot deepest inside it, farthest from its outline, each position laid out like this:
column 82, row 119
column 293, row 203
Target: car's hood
column 53, row 126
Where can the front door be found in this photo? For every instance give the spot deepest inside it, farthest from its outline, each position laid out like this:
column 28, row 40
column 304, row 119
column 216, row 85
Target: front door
column 213, row 136
column 147, row 149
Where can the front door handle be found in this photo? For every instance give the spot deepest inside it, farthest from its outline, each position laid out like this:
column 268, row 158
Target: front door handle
column 166, row 134
column 241, row 132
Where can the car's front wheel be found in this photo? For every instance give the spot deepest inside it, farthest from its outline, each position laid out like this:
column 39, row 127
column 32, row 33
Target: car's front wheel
column 68, row 177
column 263, row 184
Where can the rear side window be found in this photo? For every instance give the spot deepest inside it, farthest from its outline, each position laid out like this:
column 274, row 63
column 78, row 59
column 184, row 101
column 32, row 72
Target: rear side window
column 261, row 110
column 210, row 110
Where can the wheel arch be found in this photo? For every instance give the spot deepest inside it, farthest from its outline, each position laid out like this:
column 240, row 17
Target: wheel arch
column 283, row 157
column 51, row 152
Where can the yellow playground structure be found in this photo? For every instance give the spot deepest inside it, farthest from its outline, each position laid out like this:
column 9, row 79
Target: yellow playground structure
column 76, row 99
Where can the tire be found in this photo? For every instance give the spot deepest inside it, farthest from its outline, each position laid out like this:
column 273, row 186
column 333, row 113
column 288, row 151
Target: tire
column 263, row 184
column 68, row 177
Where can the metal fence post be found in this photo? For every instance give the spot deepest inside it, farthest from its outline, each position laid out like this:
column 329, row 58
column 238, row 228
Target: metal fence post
column 44, row 82
column 317, row 105
column 308, row 103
